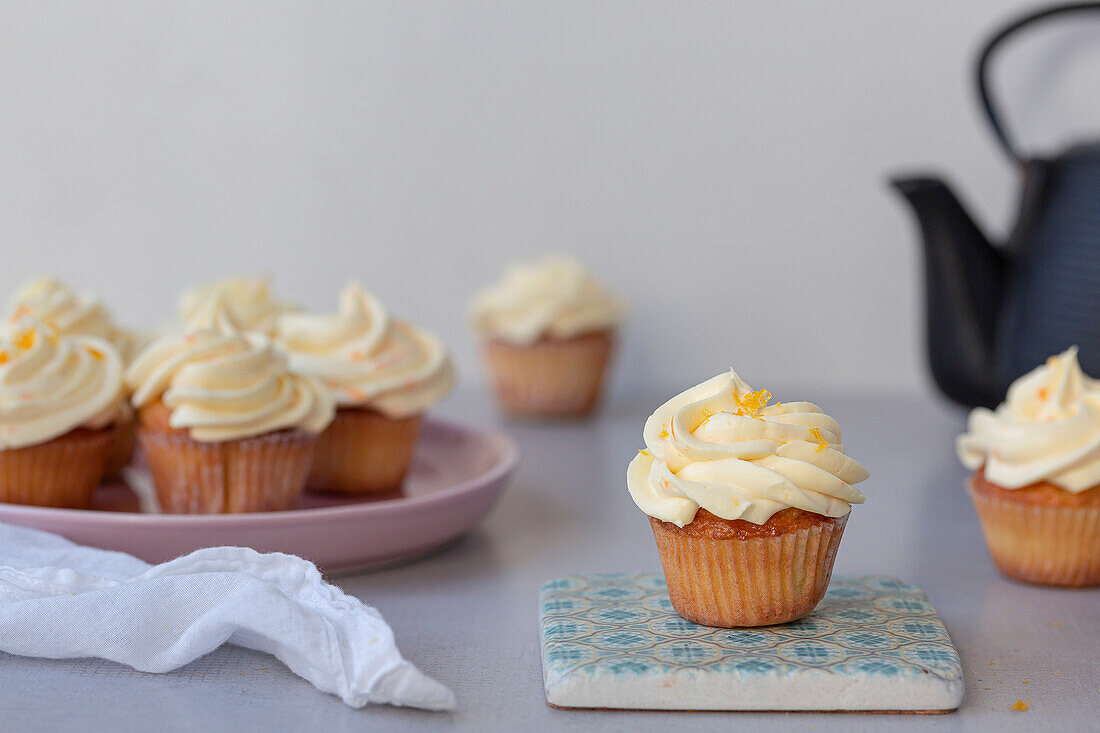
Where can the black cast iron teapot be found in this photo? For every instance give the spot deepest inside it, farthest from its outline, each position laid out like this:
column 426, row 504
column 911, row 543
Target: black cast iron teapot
column 995, row 312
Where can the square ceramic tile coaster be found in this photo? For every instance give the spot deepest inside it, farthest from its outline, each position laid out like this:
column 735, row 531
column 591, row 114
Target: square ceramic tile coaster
column 873, row 643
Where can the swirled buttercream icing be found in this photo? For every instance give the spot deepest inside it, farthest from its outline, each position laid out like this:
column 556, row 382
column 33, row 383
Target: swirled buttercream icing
column 366, row 358
column 249, row 298
column 722, row 447
column 68, row 312
column 1047, row 429
column 553, row 297
column 52, row 384
column 223, row 383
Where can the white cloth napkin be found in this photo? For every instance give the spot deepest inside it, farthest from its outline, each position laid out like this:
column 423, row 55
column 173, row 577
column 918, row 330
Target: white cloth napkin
column 61, row 600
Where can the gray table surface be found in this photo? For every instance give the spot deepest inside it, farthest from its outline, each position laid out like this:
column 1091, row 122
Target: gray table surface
column 468, row 616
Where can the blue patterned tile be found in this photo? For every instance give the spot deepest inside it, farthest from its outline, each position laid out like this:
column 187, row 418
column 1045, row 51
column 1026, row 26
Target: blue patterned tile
column 673, row 626
column 810, row 627
column 859, row 615
column 618, row 615
column 745, row 638
column 866, row 639
column 873, row 643
column 812, row 653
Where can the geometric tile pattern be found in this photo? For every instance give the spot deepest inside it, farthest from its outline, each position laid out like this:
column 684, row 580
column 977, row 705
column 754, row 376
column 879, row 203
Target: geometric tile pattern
column 873, row 643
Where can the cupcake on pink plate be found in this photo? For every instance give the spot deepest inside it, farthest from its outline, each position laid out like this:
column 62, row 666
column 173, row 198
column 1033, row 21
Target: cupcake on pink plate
column 69, row 312
column 383, row 373
column 61, row 399
column 225, row 425
column 250, row 299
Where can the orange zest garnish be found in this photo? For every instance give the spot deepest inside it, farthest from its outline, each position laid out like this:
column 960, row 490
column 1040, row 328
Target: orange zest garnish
column 753, row 402
column 3, row 357
column 1020, row 706
column 663, row 434
column 644, row 453
column 822, row 444
column 96, row 353
column 1044, row 393
column 26, row 339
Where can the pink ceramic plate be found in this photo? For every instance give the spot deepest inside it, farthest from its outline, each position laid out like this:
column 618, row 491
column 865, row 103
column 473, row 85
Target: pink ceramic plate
column 457, row 474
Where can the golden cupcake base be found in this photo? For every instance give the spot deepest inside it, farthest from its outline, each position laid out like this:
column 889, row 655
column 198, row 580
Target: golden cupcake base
column 732, row 573
column 552, row 377
column 62, row 472
column 260, row 474
column 1040, row 534
column 122, row 447
column 363, row 452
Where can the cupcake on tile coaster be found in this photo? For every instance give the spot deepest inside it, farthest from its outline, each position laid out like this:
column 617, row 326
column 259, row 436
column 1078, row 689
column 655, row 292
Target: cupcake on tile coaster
column 747, row 501
column 249, row 298
column 548, row 329
column 69, row 312
column 60, row 401
column 1036, row 483
column 225, row 425
column 383, row 374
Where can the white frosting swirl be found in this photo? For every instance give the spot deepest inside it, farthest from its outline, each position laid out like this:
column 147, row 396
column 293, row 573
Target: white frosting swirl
column 1048, row 429
column 224, row 384
column 366, row 358
column 721, row 447
column 68, row 312
column 554, row 297
column 50, row 385
column 249, row 298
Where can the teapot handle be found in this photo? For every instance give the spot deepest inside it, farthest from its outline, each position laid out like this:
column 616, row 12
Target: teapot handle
column 987, row 52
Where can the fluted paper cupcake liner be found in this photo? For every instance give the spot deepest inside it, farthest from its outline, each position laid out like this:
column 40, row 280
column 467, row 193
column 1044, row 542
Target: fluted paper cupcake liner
column 758, row 581
column 264, row 473
column 363, row 452
column 1048, row 545
column 62, row 472
column 551, row 378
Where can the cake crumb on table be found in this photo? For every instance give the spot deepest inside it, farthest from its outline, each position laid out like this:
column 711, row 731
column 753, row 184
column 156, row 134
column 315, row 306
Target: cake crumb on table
column 1020, row 706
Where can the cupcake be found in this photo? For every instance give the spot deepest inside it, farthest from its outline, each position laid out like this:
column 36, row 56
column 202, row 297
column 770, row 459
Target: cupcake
column 383, row 375
column 60, row 398
column 548, row 329
column 747, row 502
column 249, row 298
column 69, row 312
column 225, row 426
column 1036, row 482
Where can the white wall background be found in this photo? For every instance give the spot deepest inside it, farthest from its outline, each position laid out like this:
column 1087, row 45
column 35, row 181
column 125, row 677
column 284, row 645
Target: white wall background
column 721, row 164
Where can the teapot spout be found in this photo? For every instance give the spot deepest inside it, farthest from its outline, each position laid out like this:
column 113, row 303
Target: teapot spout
column 964, row 287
